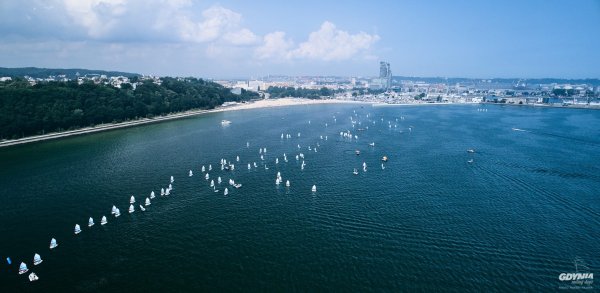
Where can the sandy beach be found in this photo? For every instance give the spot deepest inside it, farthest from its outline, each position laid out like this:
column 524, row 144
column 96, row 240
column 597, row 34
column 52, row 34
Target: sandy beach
column 239, row 106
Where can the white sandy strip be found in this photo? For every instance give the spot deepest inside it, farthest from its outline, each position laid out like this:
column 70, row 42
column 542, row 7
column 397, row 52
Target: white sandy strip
column 104, row 127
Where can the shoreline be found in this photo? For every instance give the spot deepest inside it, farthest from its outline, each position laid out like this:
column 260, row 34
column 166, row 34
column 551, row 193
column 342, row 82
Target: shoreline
column 260, row 104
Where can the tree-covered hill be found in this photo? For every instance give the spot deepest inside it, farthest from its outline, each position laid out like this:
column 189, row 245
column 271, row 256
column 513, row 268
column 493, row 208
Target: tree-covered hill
column 27, row 110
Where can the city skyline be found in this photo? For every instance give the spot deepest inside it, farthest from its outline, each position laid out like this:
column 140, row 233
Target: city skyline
column 233, row 39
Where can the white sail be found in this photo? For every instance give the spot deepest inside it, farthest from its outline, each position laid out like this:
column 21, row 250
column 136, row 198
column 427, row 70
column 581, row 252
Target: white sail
column 33, row 277
column 207, row 176
column 132, row 199
column 226, row 191
column 77, row 229
column 90, row 222
column 152, row 195
column 37, row 259
column 23, row 268
column 209, row 167
column 172, row 179
column 255, row 165
column 219, row 180
column 131, row 208
column 287, row 183
column 103, row 221
column 142, row 208
column 113, row 210
column 117, row 213
column 277, row 181
column 237, row 158
column 191, row 173
column 162, row 191
column 53, row 243
column 249, row 167
column 212, row 183
column 147, row 202
column 203, row 169
column 314, row 188
column 170, row 187
column 276, row 160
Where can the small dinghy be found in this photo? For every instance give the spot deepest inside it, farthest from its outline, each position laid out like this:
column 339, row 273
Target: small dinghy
column 131, row 208
column 152, row 195
column 226, row 192
column 117, row 213
column 287, row 183
column 37, row 259
column 91, row 222
column 33, row 277
column 53, row 243
column 314, row 188
column 172, row 179
column 147, row 203
column 132, row 199
column 77, row 229
column 103, row 221
column 191, row 173
column 142, row 208
column 23, row 268
column 113, row 210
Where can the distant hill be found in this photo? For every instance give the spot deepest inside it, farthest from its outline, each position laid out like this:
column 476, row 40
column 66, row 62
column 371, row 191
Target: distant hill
column 45, row 72
column 531, row 81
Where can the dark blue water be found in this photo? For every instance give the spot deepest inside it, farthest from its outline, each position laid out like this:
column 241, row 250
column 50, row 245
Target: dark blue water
column 512, row 220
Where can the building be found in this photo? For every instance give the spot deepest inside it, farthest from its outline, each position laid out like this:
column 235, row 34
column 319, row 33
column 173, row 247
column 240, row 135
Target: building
column 385, row 77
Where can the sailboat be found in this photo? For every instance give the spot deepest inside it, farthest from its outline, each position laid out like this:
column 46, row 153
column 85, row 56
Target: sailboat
column 209, row 167
column 470, row 161
column 212, row 183
column 355, row 171
column 170, row 187
column 90, row 222
column 172, row 179
column 103, row 221
column 255, row 165
column 249, row 167
column 131, row 208
column 113, row 210
column 33, row 277
column 219, row 180
column 37, row 259
column 117, row 213
column 287, row 183
column 162, row 191
column 168, row 191
column 53, row 243
column 266, row 168
column 382, row 166
column 23, row 268
column 276, row 160
column 191, row 173
column 207, row 176
column 142, row 208
column 203, row 169
column 147, row 203
column 77, row 229
column 132, row 199
column 152, row 195
column 314, row 188
column 237, row 158
column 226, row 191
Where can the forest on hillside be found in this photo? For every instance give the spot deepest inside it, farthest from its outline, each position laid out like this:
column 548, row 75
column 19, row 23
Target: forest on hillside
column 27, row 110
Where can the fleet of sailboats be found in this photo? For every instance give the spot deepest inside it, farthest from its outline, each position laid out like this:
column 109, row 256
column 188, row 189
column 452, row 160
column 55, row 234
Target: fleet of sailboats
column 224, row 166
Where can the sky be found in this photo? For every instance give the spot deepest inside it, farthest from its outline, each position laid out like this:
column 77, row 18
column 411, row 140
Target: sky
column 249, row 39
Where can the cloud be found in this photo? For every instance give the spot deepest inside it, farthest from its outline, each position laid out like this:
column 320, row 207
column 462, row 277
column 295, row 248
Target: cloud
column 329, row 43
column 241, row 37
column 275, row 45
column 326, row 44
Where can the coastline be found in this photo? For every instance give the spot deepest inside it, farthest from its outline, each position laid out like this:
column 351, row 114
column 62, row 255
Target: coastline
column 240, row 106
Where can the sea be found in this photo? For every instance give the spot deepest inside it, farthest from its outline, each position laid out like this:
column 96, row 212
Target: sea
column 511, row 216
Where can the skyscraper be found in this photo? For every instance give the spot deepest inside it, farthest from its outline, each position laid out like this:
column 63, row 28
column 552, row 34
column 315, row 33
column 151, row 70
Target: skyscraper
column 385, row 74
